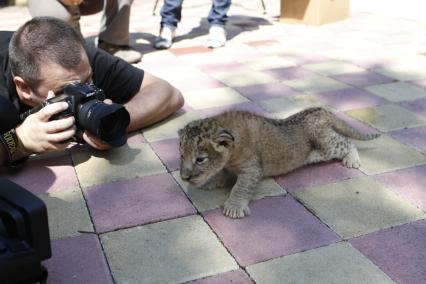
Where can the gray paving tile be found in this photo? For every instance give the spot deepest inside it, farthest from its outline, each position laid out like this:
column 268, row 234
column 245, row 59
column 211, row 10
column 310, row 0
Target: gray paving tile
column 398, row 91
column 388, row 117
column 68, row 213
column 97, row 167
column 333, row 68
column 385, row 154
column 213, row 98
column 315, row 84
column 167, row 129
column 205, row 200
column 337, row 263
column 403, row 72
column 172, row 251
column 358, row 206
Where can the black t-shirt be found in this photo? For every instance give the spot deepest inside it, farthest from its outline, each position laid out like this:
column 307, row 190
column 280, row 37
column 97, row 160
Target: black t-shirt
column 119, row 80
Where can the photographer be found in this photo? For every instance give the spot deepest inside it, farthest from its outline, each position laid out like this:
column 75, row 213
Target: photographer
column 39, row 60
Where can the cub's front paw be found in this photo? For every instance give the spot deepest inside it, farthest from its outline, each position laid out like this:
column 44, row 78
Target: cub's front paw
column 236, row 210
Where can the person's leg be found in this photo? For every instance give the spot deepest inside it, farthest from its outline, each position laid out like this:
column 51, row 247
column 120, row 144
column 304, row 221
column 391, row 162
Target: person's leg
column 171, row 14
column 218, row 12
column 114, row 30
column 217, row 19
column 115, row 22
column 54, row 8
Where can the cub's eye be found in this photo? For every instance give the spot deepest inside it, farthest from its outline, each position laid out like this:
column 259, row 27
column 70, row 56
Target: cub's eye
column 201, row 160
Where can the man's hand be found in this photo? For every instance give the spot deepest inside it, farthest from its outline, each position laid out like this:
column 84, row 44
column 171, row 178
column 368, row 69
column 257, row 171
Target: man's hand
column 38, row 135
column 94, row 141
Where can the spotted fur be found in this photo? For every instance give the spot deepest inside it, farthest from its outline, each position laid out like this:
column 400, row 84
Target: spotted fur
column 245, row 147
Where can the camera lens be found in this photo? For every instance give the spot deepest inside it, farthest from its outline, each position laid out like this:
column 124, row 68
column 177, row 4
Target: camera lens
column 107, row 121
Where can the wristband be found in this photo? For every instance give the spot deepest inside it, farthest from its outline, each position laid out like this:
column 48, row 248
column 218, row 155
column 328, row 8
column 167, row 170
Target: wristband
column 10, row 142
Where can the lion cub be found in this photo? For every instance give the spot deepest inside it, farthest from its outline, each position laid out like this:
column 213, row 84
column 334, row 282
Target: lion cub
column 250, row 147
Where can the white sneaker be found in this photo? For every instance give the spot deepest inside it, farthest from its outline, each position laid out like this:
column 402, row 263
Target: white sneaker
column 217, row 36
column 166, row 37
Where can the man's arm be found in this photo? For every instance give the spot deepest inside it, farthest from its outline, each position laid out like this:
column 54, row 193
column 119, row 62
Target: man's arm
column 155, row 100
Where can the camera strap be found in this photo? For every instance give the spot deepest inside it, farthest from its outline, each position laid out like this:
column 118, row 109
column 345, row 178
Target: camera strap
column 10, row 142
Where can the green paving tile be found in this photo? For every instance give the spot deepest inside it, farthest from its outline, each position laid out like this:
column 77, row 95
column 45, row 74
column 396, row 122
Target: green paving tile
column 358, row 206
column 213, row 98
column 315, row 84
column 233, row 79
column 268, row 62
column 122, row 163
column 388, row 117
column 397, row 92
column 385, row 154
column 67, row 213
column 403, row 72
column 173, row 251
column 168, row 128
column 334, row 264
column 333, row 68
column 284, row 107
column 205, row 200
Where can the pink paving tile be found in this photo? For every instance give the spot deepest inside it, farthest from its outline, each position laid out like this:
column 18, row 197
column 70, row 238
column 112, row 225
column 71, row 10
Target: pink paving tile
column 316, row 175
column 197, row 83
column 235, row 277
column 277, row 226
column 417, row 106
column 265, row 91
column 257, row 43
column 408, row 183
column 78, row 260
column 347, row 99
column 420, row 83
column 363, row 79
column 168, row 152
column 190, row 50
column 400, row 252
column 135, row 138
column 414, row 137
column 249, row 106
column 45, row 175
column 134, row 202
column 290, row 73
column 223, row 67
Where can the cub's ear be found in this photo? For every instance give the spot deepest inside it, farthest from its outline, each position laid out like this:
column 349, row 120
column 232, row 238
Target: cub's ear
column 224, row 139
column 180, row 132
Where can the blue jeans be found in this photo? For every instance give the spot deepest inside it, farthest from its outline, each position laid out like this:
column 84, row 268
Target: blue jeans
column 171, row 12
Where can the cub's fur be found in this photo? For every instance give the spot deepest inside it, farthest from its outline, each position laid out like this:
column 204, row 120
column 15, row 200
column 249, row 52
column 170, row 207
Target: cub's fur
column 249, row 147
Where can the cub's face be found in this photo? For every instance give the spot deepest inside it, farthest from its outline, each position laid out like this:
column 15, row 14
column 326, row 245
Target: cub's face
column 204, row 151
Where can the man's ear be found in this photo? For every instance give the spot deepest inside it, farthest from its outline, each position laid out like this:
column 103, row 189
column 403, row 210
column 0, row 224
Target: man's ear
column 23, row 90
column 224, row 139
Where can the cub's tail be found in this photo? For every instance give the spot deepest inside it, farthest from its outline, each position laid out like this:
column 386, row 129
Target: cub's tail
column 345, row 129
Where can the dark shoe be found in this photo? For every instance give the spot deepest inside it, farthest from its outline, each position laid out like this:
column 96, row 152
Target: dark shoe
column 122, row 51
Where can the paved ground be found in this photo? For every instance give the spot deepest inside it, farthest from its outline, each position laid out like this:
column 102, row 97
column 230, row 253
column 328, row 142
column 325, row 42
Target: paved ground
column 123, row 216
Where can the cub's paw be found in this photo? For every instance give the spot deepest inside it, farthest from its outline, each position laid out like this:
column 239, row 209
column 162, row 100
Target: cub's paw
column 351, row 160
column 236, row 210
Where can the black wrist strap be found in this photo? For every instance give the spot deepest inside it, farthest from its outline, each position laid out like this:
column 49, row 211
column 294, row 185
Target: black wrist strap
column 10, row 143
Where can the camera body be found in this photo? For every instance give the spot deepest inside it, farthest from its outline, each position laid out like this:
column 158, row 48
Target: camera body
column 24, row 235
column 85, row 102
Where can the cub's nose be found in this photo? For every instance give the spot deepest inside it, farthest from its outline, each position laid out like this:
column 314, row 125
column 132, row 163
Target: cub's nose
column 185, row 175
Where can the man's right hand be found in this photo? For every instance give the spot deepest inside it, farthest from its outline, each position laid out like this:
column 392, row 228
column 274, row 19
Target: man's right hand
column 37, row 134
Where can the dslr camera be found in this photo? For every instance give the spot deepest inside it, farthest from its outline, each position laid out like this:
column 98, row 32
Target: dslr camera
column 85, row 102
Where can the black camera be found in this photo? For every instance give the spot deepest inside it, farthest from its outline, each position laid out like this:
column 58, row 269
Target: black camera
column 24, row 235
column 107, row 121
